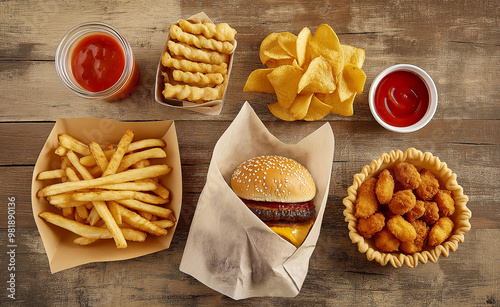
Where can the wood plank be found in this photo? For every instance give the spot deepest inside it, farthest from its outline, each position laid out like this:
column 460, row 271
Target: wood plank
column 354, row 141
column 46, row 99
column 338, row 275
column 457, row 56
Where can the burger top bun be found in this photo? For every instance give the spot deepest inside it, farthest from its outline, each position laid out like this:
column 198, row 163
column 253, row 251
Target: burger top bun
column 273, row 179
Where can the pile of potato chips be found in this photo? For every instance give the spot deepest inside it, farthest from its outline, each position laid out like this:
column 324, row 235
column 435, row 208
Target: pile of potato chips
column 311, row 75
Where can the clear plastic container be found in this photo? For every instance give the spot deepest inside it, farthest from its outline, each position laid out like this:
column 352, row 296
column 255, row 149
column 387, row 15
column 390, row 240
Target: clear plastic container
column 122, row 88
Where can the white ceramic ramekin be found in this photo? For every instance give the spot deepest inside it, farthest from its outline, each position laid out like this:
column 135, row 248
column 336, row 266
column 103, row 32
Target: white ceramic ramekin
column 431, row 88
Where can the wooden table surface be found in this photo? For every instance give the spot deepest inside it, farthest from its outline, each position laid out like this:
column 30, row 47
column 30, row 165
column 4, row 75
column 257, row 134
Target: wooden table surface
column 457, row 43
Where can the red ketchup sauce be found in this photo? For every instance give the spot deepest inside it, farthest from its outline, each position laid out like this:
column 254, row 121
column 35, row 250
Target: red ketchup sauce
column 97, row 62
column 401, row 99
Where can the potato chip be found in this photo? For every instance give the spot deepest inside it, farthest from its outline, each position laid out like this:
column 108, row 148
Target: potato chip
column 339, row 107
column 326, row 36
column 300, row 105
column 288, row 42
column 344, row 107
column 258, row 82
column 276, row 53
column 269, row 42
column 318, row 78
column 273, row 63
column 344, row 90
column 317, row 110
column 278, row 111
column 285, row 81
column 313, row 75
column 353, row 55
column 296, row 65
column 354, row 77
column 334, row 58
column 302, row 46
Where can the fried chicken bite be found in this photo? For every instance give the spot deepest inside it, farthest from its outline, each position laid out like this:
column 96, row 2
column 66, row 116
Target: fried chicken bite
column 420, row 241
column 385, row 241
column 371, row 225
column 445, row 202
column 408, row 175
column 416, row 212
column 388, row 214
column 402, row 202
column 366, row 201
column 431, row 214
column 384, row 187
column 429, row 185
column 440, row 231
column 401, row 229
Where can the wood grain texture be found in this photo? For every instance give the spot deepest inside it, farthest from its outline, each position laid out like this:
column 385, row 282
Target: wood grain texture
column 457, row 43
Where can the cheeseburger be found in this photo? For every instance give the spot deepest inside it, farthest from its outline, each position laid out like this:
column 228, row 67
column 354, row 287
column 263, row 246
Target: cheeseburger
column 280, row 192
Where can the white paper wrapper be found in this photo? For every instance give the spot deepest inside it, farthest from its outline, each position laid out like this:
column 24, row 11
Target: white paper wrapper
column 229, row 248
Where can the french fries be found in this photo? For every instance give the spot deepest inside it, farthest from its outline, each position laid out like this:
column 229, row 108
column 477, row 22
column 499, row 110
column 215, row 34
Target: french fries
column 99, row 156
column 52, row 174
column 117, row 157
column 126, row 176
column 109, row 192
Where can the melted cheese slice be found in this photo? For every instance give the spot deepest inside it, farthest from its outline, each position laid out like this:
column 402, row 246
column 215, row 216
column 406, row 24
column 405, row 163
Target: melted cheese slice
column 296, row 235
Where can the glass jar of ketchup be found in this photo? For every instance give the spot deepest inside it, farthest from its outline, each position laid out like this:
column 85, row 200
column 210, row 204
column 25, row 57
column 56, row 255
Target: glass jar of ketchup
column 94, row 61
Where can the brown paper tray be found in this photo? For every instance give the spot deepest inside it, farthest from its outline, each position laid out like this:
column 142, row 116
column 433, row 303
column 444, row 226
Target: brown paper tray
column 213, row 107
column 58, row 242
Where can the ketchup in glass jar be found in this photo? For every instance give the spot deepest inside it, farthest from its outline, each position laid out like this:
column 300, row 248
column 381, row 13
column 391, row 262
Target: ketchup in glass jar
column 97, row 62
column 401, row 98
column 94, row 61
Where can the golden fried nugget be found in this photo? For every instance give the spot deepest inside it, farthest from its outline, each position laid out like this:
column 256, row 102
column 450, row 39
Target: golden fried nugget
column 398, row 186
column 221, row 31
column 366, row 201
column 385, row 241
column 401, row 228
column 407, row 174
column 440, row 231
column 198, row 78
column 200, row 41
column 402, row 202
column 384, row 187
column 371, row 225
column 431, row 214
column 416, row 212
column 445, row 202
column 191, row 93
column 387, row 213
column 429, row 185
column 420, row 241
column 186, row 65
column 195, row 54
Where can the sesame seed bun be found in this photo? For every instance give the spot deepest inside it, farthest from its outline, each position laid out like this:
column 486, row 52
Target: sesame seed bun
column 273, row 179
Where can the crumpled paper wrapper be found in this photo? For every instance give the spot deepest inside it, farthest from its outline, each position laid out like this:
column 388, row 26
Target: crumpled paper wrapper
column 58, row 242
column 213, row 107
column 230, row 249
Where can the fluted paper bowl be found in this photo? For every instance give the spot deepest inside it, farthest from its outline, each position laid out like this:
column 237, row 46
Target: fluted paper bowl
column 447, row 180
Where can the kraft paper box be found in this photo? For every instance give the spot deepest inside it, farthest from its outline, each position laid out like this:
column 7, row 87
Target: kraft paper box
column 213, row 107
column 61, row 251
column 230, row 249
